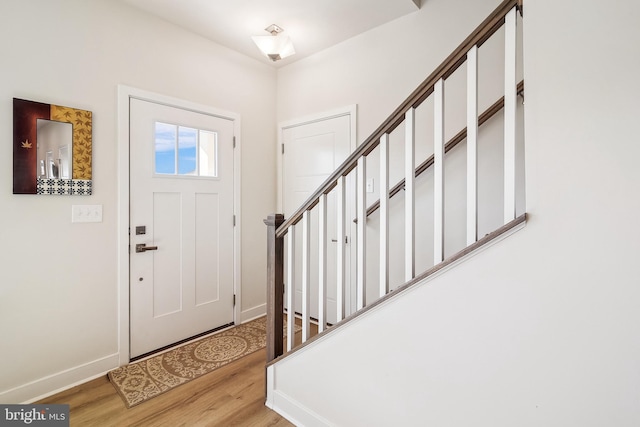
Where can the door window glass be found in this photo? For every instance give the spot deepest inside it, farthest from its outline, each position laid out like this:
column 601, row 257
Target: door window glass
column 208, row 153
column 185, row 151
column 187, row 159
column 165, row 148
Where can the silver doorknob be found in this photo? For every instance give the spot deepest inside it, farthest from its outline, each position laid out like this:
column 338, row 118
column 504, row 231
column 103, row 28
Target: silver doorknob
column 142, row 247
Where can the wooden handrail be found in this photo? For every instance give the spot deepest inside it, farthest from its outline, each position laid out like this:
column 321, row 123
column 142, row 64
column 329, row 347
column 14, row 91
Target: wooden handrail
column 458, row 138
column 488, row 27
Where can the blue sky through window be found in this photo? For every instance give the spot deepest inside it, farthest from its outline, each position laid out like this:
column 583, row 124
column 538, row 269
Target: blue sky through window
column 181, row 147
column 166, row 137
column 165, row 148
column 187, row 143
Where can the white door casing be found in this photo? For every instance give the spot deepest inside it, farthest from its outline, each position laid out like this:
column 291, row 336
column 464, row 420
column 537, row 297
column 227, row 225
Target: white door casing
column 201, row 240
column 313, row 149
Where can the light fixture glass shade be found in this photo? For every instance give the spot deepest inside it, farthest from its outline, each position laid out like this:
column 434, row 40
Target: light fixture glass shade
column 274, row 47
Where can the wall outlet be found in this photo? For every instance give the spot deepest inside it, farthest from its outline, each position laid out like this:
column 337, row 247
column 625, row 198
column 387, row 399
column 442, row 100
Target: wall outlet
column 86, row 213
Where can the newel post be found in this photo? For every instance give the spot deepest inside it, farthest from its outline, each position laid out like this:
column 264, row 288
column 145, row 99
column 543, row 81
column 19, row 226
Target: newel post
column 275, row 287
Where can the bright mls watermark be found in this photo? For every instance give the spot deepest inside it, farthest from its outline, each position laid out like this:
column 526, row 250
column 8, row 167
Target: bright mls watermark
column 34, row 415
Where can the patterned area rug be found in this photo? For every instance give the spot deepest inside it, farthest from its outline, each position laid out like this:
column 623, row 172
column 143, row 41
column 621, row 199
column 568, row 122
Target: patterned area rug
column 144, row 379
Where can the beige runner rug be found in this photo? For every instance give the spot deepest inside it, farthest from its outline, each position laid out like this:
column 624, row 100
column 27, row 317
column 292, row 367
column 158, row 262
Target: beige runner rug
column 144, row 379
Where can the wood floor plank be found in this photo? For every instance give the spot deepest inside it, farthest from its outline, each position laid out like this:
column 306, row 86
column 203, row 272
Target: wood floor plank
column 232, row 395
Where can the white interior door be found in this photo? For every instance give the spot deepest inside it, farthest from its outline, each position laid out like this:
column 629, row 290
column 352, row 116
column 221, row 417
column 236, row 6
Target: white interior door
column 312, row 151
column 181, row 212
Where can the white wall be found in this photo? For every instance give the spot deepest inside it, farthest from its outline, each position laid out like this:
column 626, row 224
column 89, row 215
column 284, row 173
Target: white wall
column 540, row 329
column 58, row 286
column 379, row 69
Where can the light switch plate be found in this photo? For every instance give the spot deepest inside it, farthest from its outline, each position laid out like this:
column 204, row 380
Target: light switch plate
column 86, row 213
column 370, row 185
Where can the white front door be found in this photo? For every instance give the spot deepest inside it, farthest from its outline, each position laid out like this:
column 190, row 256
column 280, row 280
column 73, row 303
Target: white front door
column 312, row 151
column 181, row 224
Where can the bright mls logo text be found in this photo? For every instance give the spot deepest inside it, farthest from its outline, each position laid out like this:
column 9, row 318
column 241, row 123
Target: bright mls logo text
column 44, row 415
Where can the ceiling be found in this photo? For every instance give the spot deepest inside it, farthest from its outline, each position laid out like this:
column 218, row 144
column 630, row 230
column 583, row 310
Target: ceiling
column 313, row 25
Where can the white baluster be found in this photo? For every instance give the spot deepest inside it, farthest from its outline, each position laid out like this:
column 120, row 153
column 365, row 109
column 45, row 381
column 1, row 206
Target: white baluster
column 384, row 215
column 472, row 145
column 291, row 289
column 362, row 230
column 510, row 98
column 322, row 262
column 438, row 173
column 340, row 252
column 306, row 276
column 409, row 195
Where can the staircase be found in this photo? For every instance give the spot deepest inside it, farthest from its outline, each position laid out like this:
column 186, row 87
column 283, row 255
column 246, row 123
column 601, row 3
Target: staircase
column 490, row 207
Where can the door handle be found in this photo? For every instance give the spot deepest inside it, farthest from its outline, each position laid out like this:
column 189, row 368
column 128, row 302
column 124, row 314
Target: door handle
column 142, row 247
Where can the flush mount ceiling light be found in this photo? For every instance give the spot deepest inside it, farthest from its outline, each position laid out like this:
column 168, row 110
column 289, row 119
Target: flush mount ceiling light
column 275, row 46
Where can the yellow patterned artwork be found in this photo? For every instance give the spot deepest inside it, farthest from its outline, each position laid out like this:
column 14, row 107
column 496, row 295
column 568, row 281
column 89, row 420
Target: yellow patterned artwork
column 81, row 121
column 58, row 163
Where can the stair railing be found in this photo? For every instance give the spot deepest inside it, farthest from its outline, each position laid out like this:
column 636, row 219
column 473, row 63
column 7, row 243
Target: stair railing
column 277, row 227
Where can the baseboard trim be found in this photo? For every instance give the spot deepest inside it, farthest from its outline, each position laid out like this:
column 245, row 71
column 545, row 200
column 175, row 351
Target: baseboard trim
column 295, row 412
column 253, row 313
column 52, row 384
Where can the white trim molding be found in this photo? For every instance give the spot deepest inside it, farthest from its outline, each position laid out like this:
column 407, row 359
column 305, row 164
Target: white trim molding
column 125, row 93
column 289, row 408
column 60, row 381
column 253, row 313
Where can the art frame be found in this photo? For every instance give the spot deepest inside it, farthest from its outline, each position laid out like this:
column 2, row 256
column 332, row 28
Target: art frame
column 28, row 177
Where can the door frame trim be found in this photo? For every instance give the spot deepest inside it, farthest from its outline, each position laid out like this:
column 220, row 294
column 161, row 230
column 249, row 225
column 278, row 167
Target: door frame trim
column 124, row 94
column 349, row 110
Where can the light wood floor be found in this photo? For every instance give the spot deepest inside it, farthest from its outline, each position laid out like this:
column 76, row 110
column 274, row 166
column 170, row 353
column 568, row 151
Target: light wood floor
column 229, row 396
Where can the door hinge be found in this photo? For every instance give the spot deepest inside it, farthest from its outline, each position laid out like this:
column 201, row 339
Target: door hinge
column 234, row 142
column 282, row 148
column 234, row 220
column 234, row 300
